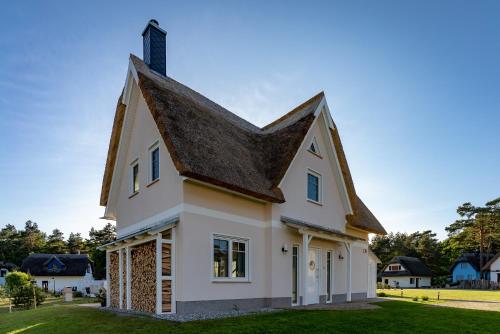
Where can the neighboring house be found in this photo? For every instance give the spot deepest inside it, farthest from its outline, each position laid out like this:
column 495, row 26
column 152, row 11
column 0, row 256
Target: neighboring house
column 214, row 213
column 5, row 268
column 406, row 272
column 53, row 272
column 492, row 267
column 467, row 267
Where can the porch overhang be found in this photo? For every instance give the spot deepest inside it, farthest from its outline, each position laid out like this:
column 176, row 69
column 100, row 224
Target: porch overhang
column 143, row 232
column 318, row 231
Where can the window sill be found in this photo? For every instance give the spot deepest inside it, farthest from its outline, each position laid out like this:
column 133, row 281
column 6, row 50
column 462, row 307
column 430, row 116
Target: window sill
column 152, row 183
column 229, row 280
column 316, row 154
column 315, row 202
column 133, row 194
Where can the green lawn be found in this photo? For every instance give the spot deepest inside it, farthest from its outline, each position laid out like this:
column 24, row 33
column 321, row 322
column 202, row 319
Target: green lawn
column 50, row 301
column 393, row 317
column 481, row 295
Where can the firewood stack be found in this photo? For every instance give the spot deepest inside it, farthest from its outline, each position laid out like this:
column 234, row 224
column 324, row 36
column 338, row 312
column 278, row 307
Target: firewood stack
column 143, row 281
column 124, row 278
column 114, row 287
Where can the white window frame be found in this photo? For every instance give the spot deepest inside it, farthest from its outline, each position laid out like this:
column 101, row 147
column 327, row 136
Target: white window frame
column 230, row 240
column 134, row 163
column 320, row 186
column 154, row 146
column 315, row 143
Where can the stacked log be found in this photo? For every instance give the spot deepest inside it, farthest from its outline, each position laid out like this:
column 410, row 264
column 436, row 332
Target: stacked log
column 143, row 280
column 166, row 263
column 166, row 294
column 114, row 280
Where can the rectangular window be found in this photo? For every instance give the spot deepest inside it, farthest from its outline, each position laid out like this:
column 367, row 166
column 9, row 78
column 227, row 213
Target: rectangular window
column 329, row 276
column 134, row 175
column 463, row 265
column 230, row 258
column 313, row 187
column 412, row 280
column 295, row 274
column 155, row 163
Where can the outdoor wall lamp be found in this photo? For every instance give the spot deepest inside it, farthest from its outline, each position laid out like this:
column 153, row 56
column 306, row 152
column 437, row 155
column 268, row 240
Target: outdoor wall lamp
column 284, row 248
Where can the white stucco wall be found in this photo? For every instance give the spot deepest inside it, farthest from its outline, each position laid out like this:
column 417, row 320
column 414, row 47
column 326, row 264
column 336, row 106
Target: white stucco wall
column 60, row 282
column 404, row 281
column 157, row 197
column 331, row 212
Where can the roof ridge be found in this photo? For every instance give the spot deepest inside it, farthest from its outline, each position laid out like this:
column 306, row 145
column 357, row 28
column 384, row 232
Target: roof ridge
column 293, row 111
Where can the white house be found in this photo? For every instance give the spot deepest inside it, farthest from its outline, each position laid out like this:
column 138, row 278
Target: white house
column 5, row 268
column 406, row 272
column 53, row 272
column 493, row 267
column 213, row 212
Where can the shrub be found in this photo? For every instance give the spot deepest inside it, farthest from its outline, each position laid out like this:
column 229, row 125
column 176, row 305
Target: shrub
column 425, row 298
column 77, row 294
column 381, row 294
column 415, row 299
column 16, row 280
column 24, row 296
column 101, row 296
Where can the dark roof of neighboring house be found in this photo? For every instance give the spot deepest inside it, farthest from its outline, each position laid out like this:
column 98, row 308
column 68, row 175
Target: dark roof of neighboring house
column 413, row 267
column 74, row 264
column 490, row 262
column 473, row 259
column 7, row 265
column 209, row 143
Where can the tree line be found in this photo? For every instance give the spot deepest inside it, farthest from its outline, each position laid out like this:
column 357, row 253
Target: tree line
column 15, row 245
column 477, row 230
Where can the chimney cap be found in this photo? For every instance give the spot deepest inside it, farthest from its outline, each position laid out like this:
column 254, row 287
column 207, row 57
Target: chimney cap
column 154, row 23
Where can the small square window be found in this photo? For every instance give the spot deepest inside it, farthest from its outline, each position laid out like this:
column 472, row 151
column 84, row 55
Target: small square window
column 313, row 187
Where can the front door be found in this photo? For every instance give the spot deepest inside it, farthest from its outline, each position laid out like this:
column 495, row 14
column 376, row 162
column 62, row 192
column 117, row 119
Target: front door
column 45, row 286
column 417, row 281
column 313, row 274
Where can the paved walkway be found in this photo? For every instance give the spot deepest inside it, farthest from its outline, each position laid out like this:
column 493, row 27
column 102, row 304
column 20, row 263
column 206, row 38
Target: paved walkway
column 93, row 305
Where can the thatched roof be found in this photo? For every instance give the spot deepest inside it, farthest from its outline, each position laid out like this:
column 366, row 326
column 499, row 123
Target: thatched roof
column 473, row 259
column 72, row 264
column 413, row 267
column 209, row 143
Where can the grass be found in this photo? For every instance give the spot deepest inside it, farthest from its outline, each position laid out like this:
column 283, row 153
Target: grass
column 49, row 301
column 445, row 294
column 392, row 317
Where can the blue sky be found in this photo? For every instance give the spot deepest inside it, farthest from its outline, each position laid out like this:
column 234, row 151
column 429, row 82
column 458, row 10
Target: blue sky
column 413, row 87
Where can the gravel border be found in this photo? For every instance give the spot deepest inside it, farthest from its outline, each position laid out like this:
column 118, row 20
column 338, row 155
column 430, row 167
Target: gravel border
column 190, row 316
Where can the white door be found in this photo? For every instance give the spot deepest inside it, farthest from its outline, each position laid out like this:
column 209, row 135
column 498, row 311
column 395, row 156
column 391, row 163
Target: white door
column 313, row 274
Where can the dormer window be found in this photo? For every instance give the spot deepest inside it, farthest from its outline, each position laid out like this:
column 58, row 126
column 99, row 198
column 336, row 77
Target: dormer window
column 154, row 162
column 314, row 148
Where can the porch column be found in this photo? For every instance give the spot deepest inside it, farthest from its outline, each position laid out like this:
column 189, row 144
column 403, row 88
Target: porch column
column 108, row 282
column 120, row 276
column 349, row 270
column 158, row 273
column 129, row 277
column 306, row 238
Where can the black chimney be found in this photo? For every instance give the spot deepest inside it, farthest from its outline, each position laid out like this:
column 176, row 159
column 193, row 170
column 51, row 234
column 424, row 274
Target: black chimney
column 154, row 47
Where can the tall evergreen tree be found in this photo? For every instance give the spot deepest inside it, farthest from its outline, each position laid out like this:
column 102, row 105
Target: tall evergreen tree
column 55, row 243
column 76, row 244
